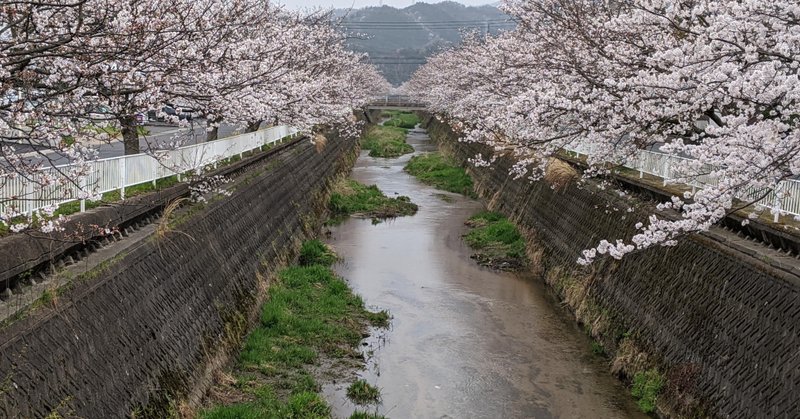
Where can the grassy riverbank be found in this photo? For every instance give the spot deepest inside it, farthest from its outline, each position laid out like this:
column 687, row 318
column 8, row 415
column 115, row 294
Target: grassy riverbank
column 351, row 198
column 497, row 242
column 386, row 141
column 311, row 318
column 441, row 172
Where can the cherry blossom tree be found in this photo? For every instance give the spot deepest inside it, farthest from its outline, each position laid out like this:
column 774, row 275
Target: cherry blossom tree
column 712, row 80
column 238, row 61
column 276, row 66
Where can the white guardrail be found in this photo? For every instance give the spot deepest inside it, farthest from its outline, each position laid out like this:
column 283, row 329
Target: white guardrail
column 25, row 195
column 786, row 200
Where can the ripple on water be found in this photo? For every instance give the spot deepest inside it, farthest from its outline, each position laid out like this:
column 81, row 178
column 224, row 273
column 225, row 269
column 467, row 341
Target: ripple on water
column 465, row 342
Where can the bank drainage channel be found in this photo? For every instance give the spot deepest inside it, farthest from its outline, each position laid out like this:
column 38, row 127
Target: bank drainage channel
column 43, row 285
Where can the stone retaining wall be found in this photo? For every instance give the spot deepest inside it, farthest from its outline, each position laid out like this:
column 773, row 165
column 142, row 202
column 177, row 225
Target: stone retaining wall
column 136, row 337
column 722, row 327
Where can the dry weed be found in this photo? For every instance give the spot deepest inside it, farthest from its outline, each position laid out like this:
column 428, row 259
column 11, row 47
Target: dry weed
column 559, row 174
column 343, row 187
column 320, row 141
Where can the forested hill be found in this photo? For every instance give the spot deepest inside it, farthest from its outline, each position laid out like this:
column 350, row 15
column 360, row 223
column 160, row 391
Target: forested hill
column 399, row 40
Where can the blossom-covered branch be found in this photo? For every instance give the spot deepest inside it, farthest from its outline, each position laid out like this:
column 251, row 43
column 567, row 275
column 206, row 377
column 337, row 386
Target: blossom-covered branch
column 712, row 80
column 235, row 61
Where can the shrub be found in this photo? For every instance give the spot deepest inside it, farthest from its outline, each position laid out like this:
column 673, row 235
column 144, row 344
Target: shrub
column 646, row 386
column 315, row 252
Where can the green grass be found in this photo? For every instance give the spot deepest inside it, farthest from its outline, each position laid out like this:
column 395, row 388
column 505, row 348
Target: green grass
column 302, row 405
column 302, row 319
column 363, row 393
column 379, row 319
column 315, row 252
column 497, row 241
column 597, row 348
column 353, row 198
column 646, row 386
column 310, row 314
column 364, row 415
column 441, row 172
column 402, row 120
column 382, row 141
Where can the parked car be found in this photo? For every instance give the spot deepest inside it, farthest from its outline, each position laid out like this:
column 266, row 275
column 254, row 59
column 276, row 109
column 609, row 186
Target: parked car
column 172, row 111
column 190, row 112
column 100, row 113
column 141, row 118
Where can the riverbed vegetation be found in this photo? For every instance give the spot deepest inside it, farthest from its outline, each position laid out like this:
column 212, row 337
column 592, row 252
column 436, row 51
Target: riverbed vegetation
column 646, row 387
column 351, row 198
column 315, row 252
column 311, row 317
column 365, row 415
column 497, row 242
column 363, row 393
column 386, row 141
column 441, row 172
column 400, row 119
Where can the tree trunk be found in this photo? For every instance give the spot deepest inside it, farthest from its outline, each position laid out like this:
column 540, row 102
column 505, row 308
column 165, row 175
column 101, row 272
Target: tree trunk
column 130, row 134
column 213, row 133
column 253, row 126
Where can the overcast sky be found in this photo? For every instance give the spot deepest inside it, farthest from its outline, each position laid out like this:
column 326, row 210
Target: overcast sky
column 344, row 4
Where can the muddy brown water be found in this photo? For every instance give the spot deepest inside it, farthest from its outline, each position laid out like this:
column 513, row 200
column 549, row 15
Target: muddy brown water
column 465, row 341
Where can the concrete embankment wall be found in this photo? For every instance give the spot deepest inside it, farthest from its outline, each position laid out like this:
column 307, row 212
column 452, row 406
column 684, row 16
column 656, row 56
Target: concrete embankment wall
column 721, row 326
column 142, row 334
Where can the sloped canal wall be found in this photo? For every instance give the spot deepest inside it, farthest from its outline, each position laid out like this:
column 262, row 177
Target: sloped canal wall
column 146, row 331
column 715, row 317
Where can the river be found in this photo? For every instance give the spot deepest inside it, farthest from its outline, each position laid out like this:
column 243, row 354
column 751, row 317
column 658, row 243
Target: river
column 465, row 341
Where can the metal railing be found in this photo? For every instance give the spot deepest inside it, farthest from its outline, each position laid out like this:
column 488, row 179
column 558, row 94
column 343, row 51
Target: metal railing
column 55, row 186
column 396, row 101
column 785, row 199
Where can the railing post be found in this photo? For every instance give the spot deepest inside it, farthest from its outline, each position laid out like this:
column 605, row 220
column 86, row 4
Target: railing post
column 777, row 203
column 82, row 185
column 155, row 172
column 122, row 178
column 639, row 159
column 27, row 203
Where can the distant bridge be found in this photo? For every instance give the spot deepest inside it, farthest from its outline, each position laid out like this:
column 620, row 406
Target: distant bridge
column 396, row 103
